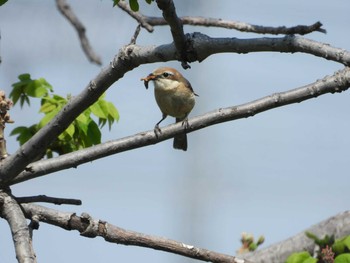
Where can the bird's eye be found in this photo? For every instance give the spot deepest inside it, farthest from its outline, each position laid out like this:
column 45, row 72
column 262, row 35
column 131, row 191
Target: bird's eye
column 166, row 74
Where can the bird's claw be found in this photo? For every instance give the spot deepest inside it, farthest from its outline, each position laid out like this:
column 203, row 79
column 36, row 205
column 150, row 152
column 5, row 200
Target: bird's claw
column 157, row 131
column 185, row 124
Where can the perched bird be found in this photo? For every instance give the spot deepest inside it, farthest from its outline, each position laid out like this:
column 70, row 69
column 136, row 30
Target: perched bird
column 174, row 96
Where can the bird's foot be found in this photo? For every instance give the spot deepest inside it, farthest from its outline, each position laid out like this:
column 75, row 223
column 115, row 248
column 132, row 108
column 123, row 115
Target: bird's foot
column 157, row 130
column 185, row 124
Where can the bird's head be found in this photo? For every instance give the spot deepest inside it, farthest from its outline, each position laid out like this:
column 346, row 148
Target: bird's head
column 164, row 75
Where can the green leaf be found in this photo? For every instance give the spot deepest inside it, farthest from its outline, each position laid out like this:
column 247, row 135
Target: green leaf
column 82, row 127
column 94, row 133
column 68, row 134
column 24, row 98
column 47, row 107
column 343, row 258
column 113, row 111
column 38, row 88
column 70, row 130
column 134, row 5
column 301, row 257
column 347, row 242
column 47, row 118
column 149, row 1
column 18, row 130
column 24, row 133
column 24, row 77
column 98, row 111
column 15, row 94
column 2, row 2
column 341, row 245
column 310, row 260
column 115, row 2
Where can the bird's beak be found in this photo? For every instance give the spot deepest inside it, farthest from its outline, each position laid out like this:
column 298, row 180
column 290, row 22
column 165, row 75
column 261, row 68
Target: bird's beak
column 148, row 78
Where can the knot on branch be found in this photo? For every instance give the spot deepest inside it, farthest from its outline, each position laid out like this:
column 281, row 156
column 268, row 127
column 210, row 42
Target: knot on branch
column 91, row 228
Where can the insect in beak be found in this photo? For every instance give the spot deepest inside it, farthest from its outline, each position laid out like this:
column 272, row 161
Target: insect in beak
column 147, row 79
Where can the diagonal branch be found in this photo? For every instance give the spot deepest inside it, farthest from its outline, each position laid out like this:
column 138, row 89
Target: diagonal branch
column 338, row 225
column 90, row 227
column 11, row 211
column 176, row 27
column 237, row 25
column 66, row 11
column 133, row 56
column 338, row 82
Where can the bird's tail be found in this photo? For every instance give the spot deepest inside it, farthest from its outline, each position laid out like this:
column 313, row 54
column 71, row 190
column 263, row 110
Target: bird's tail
column 180, row 141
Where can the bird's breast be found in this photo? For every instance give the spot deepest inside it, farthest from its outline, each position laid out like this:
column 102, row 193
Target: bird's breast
column 174, row 99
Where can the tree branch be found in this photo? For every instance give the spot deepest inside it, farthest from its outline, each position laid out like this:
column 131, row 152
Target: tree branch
column 177, row 31
column 205, row 46
column 132, row 56
column 48, row 199
column 148, row 22
column 237, row 25
column 339, row 226
column 338, row 82
column 11, row 211
column 90, row 227
column 67, row 12
column 136, row 15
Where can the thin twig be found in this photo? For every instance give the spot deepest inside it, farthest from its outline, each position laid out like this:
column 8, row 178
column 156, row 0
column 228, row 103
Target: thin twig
column 136, row 34
column 11, row 211
column 90, row 227
column 339, row 82
column 67, row 11
column 48, row 199
column 177, row 31
column 240, row 26
column 136, row 15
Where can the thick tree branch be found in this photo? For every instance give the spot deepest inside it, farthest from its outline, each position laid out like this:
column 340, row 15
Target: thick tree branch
column 237, row 25
column 131, row 57
column 339, row 226
column 90, row 227
column 67, row 11
column 48, row 199
column 177, row 31
column 339, row 82
column 205, row 46
column 11, row 211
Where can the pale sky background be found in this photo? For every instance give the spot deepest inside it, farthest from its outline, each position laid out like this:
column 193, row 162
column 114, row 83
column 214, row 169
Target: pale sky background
column 274, row 174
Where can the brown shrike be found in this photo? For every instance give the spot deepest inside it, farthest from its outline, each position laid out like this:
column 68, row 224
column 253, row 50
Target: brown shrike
column 174, row 96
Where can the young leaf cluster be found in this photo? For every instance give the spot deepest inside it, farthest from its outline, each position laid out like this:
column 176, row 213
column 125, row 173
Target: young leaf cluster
column 82, row 133
column 330, row 251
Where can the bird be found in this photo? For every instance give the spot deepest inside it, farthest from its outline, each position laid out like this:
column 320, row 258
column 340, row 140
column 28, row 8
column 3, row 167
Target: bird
column 175, row 97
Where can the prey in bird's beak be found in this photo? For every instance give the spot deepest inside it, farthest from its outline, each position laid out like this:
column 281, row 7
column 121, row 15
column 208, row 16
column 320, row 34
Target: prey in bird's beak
column 148, row 78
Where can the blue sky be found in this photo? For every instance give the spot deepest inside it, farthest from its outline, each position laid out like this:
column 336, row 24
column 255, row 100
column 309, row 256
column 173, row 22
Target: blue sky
column 274, row 174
